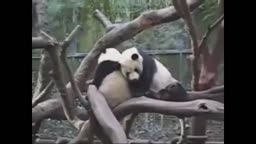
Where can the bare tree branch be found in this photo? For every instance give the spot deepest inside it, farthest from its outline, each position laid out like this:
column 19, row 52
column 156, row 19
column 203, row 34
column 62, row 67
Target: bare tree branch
column 212, row 60
column 45, row 109
column 105, row 117
column 58, row 77
column 43, row 93
column 49, row 106
column 184, row 109
column 74, row 86
column 202, row 108
column 102, row 18
column 52, row 109
column 43, row 77
column 215, row 93
column 208, row 74
column 208, row 32
column 40, row 43
column 65, row 44
column 39, row 20
column 182, row 7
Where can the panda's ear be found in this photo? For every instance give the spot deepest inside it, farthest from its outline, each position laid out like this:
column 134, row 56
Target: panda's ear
column 135, row 57
column 104, row 51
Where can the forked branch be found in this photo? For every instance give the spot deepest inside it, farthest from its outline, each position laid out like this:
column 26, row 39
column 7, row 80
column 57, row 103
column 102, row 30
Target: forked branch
column 208, row 32
column 58, row 77
column 42, row 94
column 74, row 86
column 182, row 7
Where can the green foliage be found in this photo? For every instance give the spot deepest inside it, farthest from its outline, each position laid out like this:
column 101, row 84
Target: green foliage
column 206, row 14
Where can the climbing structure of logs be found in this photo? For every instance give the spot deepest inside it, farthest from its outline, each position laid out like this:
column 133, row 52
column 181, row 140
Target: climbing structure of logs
column 97, row 118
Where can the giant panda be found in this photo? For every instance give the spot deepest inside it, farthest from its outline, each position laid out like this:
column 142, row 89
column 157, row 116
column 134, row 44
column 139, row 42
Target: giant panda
column 147, row 76
column 110, row 81
column 108, row 78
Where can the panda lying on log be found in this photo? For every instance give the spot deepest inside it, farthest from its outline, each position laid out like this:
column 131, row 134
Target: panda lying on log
column 134, row 73
column 147, row 75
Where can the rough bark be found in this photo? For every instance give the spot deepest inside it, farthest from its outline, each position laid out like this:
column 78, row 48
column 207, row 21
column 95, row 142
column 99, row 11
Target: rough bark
column 182, row 7
column 40, row 43
column 74, row 85
column 39, row 21
column 208, row 74
column 42, row 96
column 52, row 109
column 58, row 77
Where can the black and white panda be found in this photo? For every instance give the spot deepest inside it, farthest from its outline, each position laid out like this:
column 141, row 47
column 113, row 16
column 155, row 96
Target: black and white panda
column 109, row 79
column 146, row 74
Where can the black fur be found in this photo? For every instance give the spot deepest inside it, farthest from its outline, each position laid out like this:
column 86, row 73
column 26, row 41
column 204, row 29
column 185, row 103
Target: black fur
column 142, row 86
column 104, row 69
column 135, row 57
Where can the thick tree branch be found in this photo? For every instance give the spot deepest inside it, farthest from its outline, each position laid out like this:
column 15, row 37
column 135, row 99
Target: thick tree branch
column 105, row 21
column 65, row 44
column 40, row 43
column 182, row 7
column 47, row 108
column 58, row 77
column 39, row 20
column 184, row 109
column 102, row 18
column 212, row 60
column 43, row 77
column 202, row 108
column 74, row 86
column 52, row 109
column 208, row 32
column 215, row 93
column 208, row 75
column 105, row 117
column 42, row 94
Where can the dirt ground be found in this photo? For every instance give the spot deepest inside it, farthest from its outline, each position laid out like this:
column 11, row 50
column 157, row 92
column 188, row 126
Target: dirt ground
column 150, row 127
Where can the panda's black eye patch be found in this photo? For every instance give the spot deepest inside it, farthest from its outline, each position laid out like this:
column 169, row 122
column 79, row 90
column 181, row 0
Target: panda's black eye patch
column 127, row 74
column 135, row 57
column 136, row 70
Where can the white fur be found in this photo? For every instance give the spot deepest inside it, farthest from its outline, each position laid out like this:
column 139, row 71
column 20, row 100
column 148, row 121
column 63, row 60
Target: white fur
column 128, row 65
column 111, row 54
column 161, row 78
column 115, row 89
column 114, row 86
